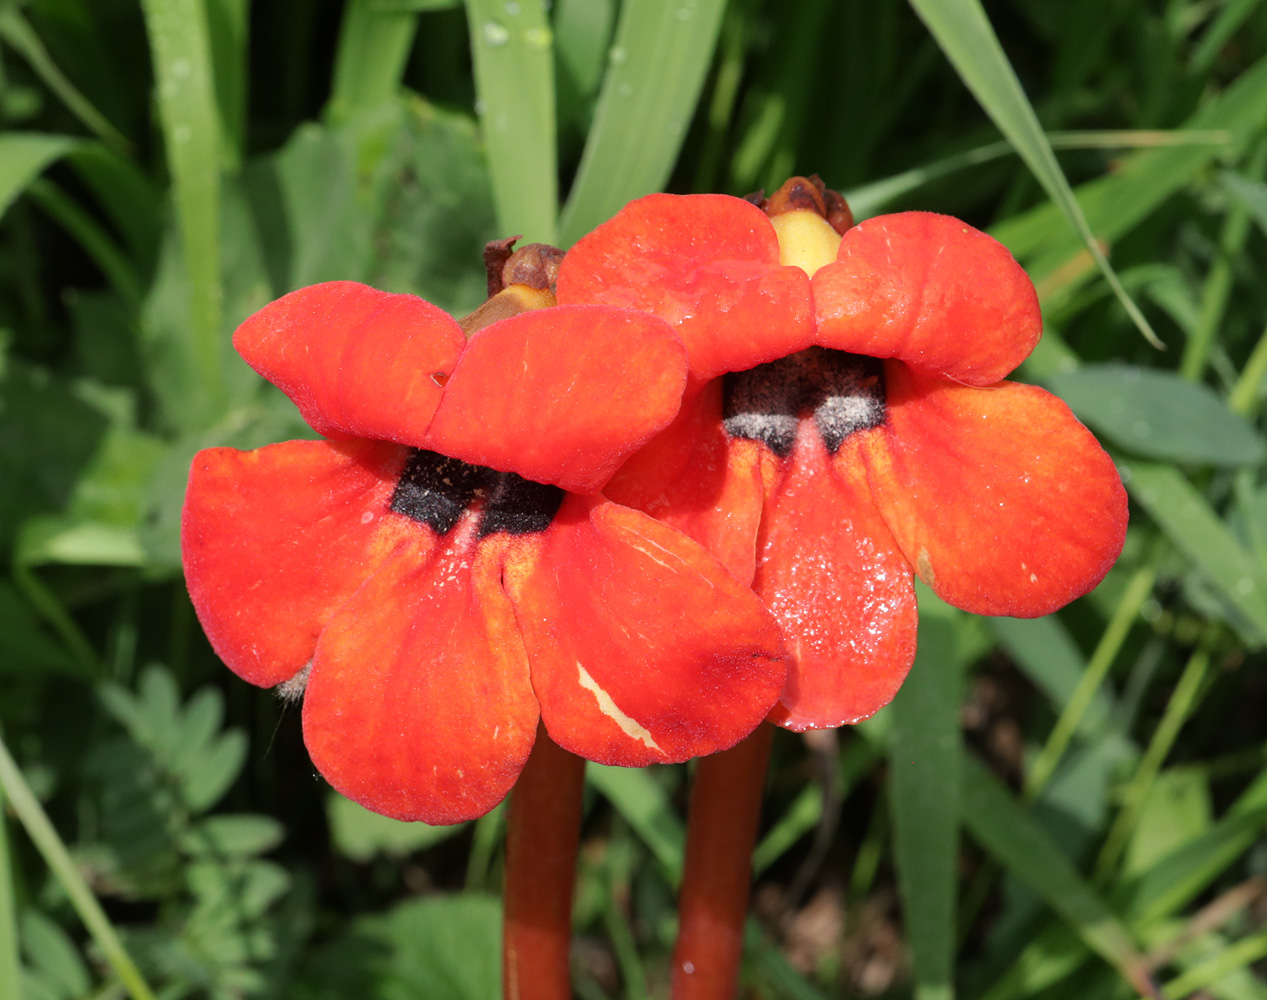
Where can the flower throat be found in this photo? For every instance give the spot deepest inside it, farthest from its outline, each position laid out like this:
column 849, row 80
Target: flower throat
column 436, row 491
column 842, row 393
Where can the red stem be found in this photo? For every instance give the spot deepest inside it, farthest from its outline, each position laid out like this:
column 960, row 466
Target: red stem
column 544, row 829
column 721, row 833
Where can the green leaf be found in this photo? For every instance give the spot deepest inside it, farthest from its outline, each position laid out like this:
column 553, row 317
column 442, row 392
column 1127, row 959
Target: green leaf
column 215, row 771
column 444, row 946
column 24, row 156
column 233, row 836
column 655, row 71
column 1158, row 414
column 1194, row 528
column 53, row 956
column 924, row 754
column 361, row 834
column 514, row 77
column 1175, row 811
column 1006, row 830
column 964, row 33
column 181, row 50
column 642, row 801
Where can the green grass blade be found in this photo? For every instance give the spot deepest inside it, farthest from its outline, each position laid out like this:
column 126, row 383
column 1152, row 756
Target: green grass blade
column 925, row 757
column 186, row 100
column 1240, row 955
column 648, row 811
column 1003, row 827
column 1089, row 684
column 23, row 156
column 1180, row 706
column 514, row 78
column 49, row 844
column 17, row 31
column 1115, row 204
column 964, row 33
column 227, row 30
column 1195, row 529
column 373, row 49
column 10, row 964
column 90, row 235
column 655, row 71
column 1231, row 17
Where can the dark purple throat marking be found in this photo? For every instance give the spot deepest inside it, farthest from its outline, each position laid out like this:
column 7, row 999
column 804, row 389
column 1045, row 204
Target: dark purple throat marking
column 842, row 393
column 436, row 491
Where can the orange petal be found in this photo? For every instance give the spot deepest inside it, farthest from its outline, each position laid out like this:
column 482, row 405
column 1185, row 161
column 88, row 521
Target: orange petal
column 275, row 540
column 1002, row 501
column 419, row 705
column 707, row 263
column 562, row 395
column 694, row 477
column 356, row 361
column 931, row 291
column 643, row 648
column 834, row 578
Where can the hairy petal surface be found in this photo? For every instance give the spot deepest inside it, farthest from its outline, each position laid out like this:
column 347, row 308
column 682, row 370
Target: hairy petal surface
column 643, row 648
column 1002, row 501
column 359, row 363
column 562, row 395
column 931, row 291
column 706, row 263
column 694, row 477
column 833, row 576
column 419, row 705
column 275, row 540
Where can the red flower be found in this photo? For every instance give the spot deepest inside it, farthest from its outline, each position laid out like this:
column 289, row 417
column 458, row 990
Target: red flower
column 845, row 429
column 434, row 607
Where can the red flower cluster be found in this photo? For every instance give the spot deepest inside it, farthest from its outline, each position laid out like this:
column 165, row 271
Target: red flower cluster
column 846, row 425
column 440, row 572
column 823, row 412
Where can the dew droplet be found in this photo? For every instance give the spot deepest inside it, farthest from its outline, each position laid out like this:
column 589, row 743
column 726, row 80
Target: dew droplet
column 538, row 38
column 624, row 90
column 617, row 56
column 181, row 69
column 512, row 8
column 495, row 34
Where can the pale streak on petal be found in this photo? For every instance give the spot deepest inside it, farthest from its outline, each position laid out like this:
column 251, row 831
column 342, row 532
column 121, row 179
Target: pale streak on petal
column 608, row 707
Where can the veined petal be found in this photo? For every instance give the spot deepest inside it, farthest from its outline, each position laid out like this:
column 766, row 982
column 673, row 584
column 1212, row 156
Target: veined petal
column 356, row 361
column 707, row 263
column 562, row 395
column 275, row 540
column 419, row 705
column 694, row 477
column 643, row 648
column 931, row 291
column 1002, row 501
column 833, row 576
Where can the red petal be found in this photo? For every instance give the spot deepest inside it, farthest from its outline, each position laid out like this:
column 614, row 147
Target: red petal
column 275, row 540
column 694, row 477
column 643, row 649
column 707, row 263
column 1001, row 500
column 931, row 291
column 420, row 705
column 562, row 395
column 356, row 361
column 838, row 585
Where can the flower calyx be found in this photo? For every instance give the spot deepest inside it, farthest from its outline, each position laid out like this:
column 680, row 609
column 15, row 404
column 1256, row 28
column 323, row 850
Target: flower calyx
column 809, row 219
column 518, row 281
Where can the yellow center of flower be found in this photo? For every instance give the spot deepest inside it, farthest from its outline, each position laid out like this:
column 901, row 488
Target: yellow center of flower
column 806, row 239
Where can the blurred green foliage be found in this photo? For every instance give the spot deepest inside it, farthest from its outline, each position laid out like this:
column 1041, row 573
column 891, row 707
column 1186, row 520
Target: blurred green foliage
column 168, row 167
